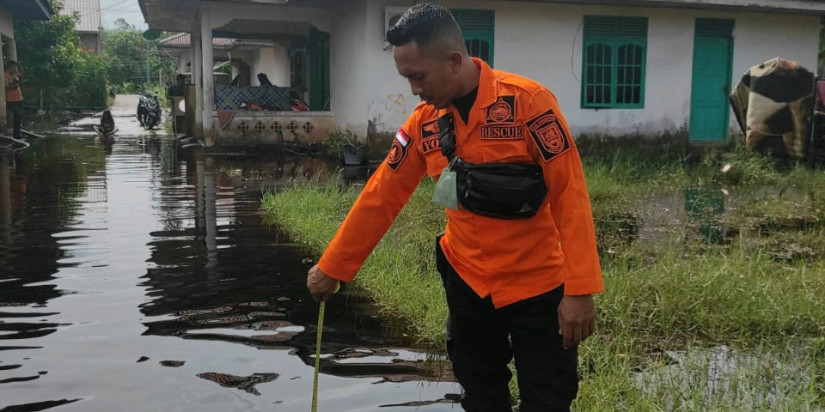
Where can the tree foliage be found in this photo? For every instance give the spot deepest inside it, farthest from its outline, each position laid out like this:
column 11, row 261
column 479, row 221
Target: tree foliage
column 49, row 50
column 136, row 63
column 53, row 61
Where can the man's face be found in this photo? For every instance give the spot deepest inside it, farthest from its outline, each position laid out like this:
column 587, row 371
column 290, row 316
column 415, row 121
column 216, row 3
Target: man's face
column 432, row 78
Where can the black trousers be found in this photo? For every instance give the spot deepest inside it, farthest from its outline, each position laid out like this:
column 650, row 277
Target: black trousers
column 16, row 110
column 481, row 340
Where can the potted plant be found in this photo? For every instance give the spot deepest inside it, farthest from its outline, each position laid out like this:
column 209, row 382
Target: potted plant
column 345, row 145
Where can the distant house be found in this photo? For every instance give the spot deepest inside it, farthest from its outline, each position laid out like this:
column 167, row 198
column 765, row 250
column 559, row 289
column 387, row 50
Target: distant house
column 617, row 67
column 88, row 24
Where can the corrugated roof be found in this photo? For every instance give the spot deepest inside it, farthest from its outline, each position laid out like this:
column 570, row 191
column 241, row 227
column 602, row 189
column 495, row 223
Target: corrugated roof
column 185, row 40
column 87, row 10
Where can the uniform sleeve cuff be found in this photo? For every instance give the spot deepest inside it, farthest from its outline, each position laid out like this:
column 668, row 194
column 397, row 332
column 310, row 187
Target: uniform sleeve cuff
column 585, row 286
column 334, row 271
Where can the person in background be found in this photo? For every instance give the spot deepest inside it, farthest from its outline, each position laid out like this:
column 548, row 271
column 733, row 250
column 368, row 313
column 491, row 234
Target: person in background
column 519, row 270
column 14, row 95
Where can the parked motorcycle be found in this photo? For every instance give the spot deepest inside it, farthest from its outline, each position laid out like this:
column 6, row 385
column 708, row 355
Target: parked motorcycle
column 148, row 112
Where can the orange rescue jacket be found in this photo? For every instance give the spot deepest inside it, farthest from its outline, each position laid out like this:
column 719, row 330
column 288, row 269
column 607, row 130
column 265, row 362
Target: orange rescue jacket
column 513, row 119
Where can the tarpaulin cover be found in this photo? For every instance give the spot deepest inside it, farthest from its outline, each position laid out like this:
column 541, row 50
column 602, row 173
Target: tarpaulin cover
column 774, row 103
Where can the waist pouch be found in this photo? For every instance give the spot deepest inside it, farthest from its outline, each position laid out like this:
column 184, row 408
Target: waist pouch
column 500, row 190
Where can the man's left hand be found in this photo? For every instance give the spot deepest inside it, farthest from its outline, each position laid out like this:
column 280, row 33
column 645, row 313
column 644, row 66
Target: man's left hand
column 577, row 319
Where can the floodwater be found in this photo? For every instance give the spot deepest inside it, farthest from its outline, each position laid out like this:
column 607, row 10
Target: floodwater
column 139, row 277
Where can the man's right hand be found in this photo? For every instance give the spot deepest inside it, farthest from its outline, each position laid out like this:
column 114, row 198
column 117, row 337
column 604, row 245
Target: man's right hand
column 321, row 286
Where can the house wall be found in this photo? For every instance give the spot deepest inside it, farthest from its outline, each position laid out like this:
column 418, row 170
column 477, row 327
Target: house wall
column 544, row 42
column 90, row 42
column 274, row 62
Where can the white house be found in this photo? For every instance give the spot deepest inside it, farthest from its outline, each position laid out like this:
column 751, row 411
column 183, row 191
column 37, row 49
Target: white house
column 617, row 67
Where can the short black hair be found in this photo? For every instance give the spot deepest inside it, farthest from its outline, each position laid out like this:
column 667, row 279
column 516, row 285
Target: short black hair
column 12, row 63
column 422, row 24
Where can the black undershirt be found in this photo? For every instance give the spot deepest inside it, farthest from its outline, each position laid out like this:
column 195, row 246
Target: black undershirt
column 464, row 103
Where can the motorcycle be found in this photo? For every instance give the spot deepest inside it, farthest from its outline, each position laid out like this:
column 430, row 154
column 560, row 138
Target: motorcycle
column 148, row 112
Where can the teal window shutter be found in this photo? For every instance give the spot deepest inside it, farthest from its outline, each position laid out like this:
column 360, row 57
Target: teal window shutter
column 614, row 62
column 478, row 27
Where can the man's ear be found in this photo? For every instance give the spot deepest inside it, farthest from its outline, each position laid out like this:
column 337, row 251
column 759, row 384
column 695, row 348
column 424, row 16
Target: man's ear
column 456, row 61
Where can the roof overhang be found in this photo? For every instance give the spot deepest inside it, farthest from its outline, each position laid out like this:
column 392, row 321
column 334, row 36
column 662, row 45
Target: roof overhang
column 816, row 7
column 180, row 15
column 28, row 9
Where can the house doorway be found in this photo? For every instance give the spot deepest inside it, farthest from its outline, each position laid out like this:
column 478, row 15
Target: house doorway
column 712, row 57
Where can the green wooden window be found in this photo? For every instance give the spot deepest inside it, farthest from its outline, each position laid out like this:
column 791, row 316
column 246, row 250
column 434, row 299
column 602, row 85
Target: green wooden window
column 478, row 27
column 614, row 56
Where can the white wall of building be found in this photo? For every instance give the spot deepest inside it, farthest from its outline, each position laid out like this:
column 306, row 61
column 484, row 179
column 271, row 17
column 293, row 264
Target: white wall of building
column 351, row 73
column 544, row 42
column 274, row 62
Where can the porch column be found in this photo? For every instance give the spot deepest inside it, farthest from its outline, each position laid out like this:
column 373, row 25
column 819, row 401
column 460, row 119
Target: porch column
column 4, row 119
column 208, row 79
column 5, row 200
column 197, row 76
column 12, row 45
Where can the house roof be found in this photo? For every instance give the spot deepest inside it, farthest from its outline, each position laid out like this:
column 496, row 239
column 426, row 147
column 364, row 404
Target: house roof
column 88, row 12
column 783, row 6
column 28, row 9
column 184, row 40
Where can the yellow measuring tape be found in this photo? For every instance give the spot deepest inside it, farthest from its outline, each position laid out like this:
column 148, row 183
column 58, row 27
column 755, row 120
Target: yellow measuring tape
column 318, row 351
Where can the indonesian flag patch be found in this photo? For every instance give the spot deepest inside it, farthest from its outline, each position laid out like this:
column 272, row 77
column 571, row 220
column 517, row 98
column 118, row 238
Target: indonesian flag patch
column 399, row 149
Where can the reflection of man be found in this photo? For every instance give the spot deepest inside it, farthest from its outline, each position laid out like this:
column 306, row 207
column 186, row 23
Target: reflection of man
column 517, row 286
column 14, row 96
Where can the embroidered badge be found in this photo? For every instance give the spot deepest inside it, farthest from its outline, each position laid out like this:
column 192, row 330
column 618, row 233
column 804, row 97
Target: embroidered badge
column 429, row 129
column 431, row 144
column 502, row 111
column 500, row 122
column 399, row 149
column 429, row 136
column 549, row 135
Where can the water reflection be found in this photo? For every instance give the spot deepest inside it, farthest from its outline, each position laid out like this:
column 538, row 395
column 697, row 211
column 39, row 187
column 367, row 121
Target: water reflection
column 219, row 274
column 142, row 275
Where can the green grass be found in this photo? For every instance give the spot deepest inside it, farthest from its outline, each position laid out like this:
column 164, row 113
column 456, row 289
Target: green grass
column 749, row 279
column 400, row 273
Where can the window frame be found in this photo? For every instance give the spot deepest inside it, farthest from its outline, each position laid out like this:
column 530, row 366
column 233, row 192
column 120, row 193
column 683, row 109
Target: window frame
column 471, row 22
column 615, row 32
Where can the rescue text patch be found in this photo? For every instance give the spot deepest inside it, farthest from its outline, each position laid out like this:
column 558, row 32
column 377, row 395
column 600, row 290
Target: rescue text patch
column 495, row 132
column 549, row 135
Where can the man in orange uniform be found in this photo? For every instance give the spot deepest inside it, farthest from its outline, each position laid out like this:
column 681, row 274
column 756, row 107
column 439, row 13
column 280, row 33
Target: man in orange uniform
column 515, row 287
column 14, row 96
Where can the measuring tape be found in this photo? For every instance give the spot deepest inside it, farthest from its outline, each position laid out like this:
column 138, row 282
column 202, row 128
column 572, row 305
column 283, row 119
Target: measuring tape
column 318, row 351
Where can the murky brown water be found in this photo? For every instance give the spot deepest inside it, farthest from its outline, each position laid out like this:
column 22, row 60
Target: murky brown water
column 141, row 278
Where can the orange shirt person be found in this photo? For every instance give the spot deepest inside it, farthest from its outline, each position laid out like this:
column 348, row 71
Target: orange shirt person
column 515, row 287
column 14, row 96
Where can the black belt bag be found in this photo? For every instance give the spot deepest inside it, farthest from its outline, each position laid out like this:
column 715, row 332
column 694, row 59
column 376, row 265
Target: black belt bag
column 500, row 190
